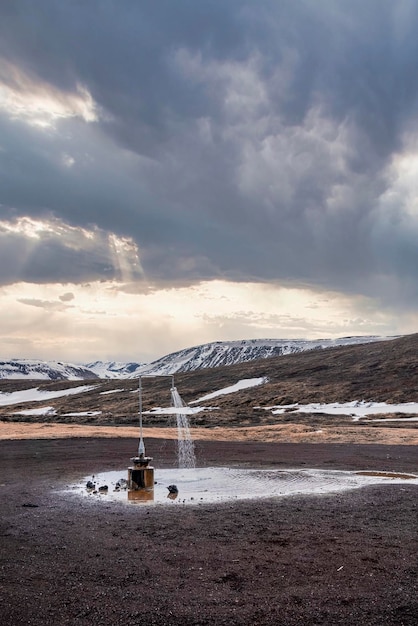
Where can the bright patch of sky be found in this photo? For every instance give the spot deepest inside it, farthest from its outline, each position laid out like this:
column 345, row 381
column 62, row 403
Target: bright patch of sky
column 98, row 320
column 25, row 97
column 27, row 244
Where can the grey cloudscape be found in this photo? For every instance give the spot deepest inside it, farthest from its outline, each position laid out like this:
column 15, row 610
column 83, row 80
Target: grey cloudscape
column 234, row 139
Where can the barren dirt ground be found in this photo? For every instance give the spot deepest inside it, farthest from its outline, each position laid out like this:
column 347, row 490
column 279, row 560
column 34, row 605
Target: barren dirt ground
column 347, row 558
column 285, row 433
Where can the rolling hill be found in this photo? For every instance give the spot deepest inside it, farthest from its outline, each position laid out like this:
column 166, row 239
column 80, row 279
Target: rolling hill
column 383, row 371
column 188, row 360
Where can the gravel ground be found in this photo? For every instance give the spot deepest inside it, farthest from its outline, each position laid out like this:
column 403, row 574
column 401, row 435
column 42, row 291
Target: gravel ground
column 349, row 558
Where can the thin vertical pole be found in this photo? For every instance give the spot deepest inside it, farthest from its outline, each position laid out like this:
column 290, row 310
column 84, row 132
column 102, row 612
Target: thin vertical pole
column 141, row 447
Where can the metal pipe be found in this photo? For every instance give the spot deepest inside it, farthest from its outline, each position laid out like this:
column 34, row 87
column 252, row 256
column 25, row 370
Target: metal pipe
column 141, row 447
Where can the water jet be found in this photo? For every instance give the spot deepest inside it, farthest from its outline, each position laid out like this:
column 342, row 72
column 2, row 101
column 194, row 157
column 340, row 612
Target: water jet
column 141, row 474
column 185, row 446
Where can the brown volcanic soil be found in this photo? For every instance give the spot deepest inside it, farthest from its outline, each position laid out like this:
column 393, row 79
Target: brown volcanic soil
column 349, row 558
column 304, row 432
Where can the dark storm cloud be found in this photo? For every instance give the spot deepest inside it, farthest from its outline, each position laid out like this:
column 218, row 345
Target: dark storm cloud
column 237, row 140
column 62, row 256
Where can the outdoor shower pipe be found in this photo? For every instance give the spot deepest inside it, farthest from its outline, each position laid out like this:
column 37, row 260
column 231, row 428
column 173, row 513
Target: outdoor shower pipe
column 141, row 447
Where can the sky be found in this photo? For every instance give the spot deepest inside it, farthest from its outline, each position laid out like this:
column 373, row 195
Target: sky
column 174, row 173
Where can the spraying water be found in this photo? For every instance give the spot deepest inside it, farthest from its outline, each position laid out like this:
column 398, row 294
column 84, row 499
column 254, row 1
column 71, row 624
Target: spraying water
column 186, row 455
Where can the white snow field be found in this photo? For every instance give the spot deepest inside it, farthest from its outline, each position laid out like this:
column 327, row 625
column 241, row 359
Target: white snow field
column 245, row 383
column 37, row 395
column 357, row 409
column 42, row 410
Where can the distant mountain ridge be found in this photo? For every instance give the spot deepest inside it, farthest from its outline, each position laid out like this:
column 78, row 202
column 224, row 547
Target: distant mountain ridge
column 210, row 355
column 221, row 353
column 16, row 369
column 114, row 369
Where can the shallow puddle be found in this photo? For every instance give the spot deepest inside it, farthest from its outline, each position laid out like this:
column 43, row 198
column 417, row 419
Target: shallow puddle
column 222, row 484
column 388, row 475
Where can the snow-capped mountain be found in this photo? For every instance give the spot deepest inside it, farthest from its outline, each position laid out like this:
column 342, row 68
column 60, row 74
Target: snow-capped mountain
column 232, row 352
column 190, row 359
column 43, row 370
column 114, row 369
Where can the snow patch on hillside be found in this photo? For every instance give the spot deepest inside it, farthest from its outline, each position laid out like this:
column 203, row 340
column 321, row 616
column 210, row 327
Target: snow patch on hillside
column 42, row 410
column 245, row 383
column 18, row 369
column 82, row 414
column 38, row 395
column 114, row 369
column 356, row 409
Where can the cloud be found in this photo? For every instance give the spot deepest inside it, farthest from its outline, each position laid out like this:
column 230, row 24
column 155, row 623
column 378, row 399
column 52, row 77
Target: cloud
column 48, row 251
column 41, row 104
column 35, row 323
column 183, row 142
column 67, row 297
column 43, row 304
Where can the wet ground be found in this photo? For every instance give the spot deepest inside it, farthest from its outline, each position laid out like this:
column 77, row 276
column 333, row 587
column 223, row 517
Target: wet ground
column 205, row 485
column 349, row 557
